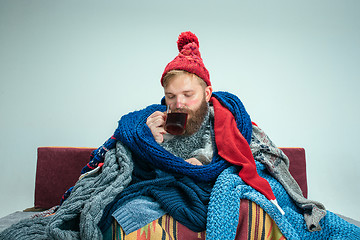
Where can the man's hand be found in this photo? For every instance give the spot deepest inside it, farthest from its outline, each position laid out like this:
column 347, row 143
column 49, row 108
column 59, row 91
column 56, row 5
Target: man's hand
column 193, row 161
column 156, row 122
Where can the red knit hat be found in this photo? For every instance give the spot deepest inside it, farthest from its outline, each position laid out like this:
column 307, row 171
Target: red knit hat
column 189, row 58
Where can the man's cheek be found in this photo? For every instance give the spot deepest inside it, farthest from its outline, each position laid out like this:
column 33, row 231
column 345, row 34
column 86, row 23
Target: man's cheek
column 193, row 103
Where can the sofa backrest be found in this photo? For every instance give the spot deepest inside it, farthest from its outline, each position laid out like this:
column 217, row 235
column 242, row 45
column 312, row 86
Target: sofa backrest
column 58, row 169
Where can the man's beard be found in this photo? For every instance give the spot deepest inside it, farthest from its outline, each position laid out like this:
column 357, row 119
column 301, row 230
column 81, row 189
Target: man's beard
column 197, row 117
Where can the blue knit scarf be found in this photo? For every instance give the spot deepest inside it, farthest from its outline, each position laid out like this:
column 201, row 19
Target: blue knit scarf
column 136, row 135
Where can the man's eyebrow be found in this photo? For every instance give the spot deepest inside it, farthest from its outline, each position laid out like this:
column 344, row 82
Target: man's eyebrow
column 185, row 91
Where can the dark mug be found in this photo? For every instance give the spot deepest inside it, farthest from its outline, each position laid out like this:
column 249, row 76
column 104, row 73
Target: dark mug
column 176, row 119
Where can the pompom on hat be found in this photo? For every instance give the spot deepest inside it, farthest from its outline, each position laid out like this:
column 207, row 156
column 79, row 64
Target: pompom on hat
column 189, row 58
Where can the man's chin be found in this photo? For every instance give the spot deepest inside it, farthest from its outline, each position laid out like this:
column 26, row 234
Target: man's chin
column 196, row 119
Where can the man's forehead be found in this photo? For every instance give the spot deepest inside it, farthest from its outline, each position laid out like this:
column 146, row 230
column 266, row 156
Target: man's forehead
column 182, row 88
column 182, row 83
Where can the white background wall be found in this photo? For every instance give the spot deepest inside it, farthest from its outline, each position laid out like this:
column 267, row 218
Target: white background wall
column 70, row 69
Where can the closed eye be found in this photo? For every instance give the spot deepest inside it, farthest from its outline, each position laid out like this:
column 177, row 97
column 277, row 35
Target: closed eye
column 189, row 93
column 170, row 96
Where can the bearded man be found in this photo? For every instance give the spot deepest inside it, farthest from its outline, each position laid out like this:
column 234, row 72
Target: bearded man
column 144, row 183
column 196, row 158
column 186, row 91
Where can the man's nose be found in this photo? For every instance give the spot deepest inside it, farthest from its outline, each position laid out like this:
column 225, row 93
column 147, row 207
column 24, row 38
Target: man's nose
column 179, row 102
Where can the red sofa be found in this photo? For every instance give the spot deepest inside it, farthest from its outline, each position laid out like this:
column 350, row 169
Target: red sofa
column 58, row 168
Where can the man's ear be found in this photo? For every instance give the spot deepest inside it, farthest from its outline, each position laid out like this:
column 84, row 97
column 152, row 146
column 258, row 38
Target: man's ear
column 208, row 93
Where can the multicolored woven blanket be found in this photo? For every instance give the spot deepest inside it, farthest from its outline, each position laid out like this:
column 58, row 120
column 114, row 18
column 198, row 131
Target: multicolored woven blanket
column 254, row 223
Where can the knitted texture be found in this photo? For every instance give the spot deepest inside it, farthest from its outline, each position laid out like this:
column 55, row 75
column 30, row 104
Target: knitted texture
column 97, row 156
column 79, row 215
column 277, row 163
column 224, row 209
column 233, row 147
column 198, row 145
column 189, row 58
column 183, row 198
column 135, row 134
column 236, row 107
column 137, row 212
column 27, row 229
column 171, row 191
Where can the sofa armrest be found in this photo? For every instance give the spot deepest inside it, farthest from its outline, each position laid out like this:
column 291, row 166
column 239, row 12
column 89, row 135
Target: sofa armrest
column 297, row 166
column 58, row 169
